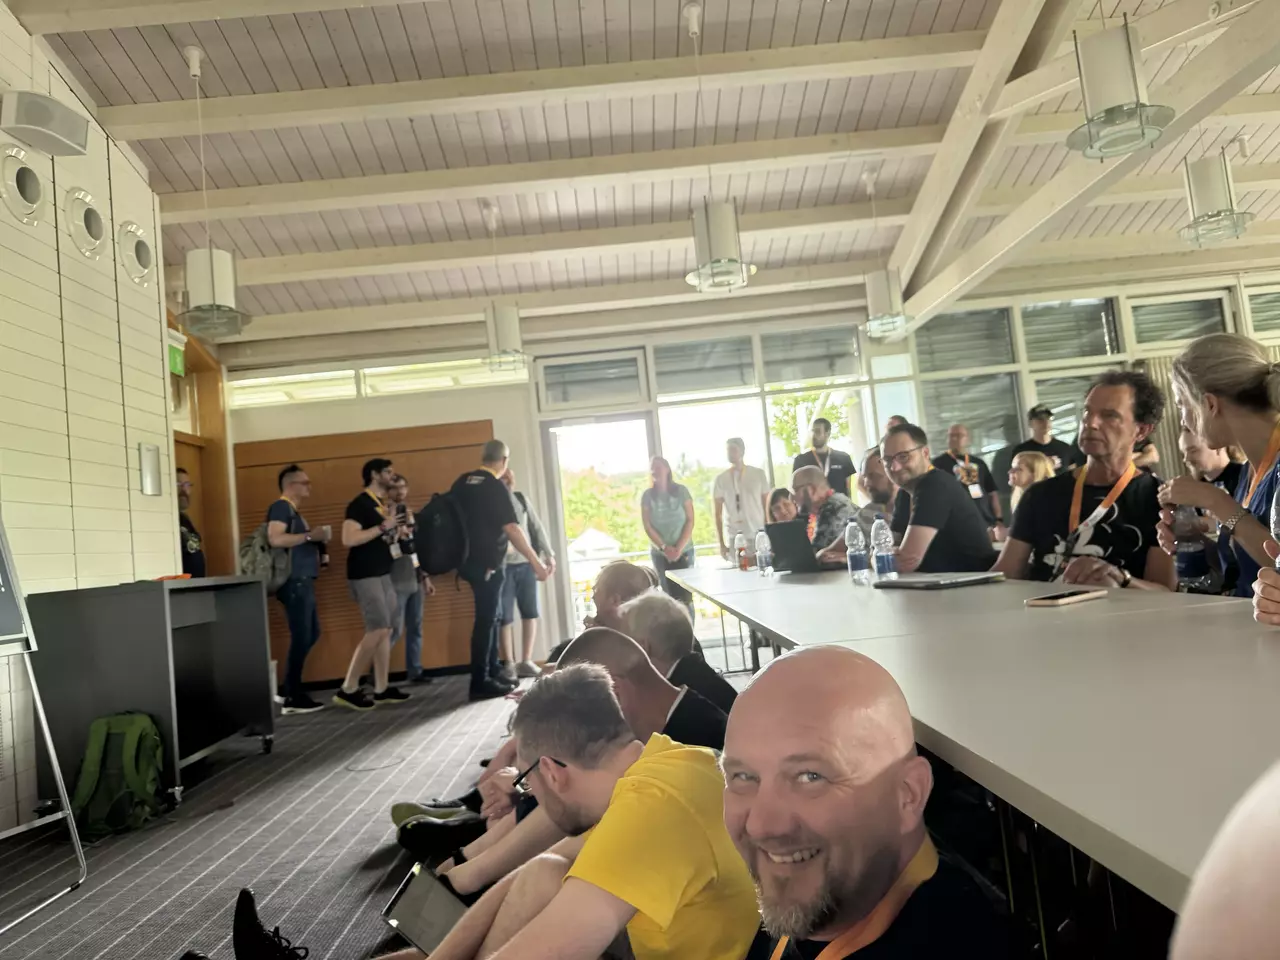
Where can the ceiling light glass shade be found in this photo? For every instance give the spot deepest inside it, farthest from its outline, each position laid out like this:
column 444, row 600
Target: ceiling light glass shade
column 718, row 248
column 1211, row 198
column 885, row 314
column 211, row 295
column 1118, row 119
column 506, row 348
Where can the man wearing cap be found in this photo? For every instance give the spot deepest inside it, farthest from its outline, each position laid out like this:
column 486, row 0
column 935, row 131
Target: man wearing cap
column 740, row 495
column 1063, row 456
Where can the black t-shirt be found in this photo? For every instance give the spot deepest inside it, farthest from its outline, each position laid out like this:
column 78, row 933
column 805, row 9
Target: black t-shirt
column 839, row 473
column 696, row 722
column 192, row 547
column 372, row 559
column 1121, row 538
column 698, row 675
column 962, row 543
column 486, row 509
column 1064, row 456
column 947, row 917
column 975, row 477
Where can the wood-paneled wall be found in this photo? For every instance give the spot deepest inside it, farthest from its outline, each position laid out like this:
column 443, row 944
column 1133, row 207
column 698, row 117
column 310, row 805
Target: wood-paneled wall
column 431, row 458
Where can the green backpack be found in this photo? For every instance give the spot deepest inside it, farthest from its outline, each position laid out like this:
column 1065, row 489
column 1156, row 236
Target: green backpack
column 119, row 784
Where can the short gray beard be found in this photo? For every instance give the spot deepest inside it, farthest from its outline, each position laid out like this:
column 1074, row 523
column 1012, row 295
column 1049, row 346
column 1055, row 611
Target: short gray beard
column 800, row 920
column 796, row 920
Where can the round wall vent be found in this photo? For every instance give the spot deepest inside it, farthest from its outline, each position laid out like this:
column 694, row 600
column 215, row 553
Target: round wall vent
column 135, row 253
column 20, row 185
column 84, row 223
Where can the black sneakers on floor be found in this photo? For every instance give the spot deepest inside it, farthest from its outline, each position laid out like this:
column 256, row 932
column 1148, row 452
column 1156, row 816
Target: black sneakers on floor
column 352, row 701
column 489, row 690
column 392, row 695
column 300, row 704
column 250, row 939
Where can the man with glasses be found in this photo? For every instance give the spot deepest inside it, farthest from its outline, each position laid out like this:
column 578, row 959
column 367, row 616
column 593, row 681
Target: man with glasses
column 940, row 529
column 192, row 545
column 828, row 512
column 287, row 530
column 645, row 852
column 739, row 496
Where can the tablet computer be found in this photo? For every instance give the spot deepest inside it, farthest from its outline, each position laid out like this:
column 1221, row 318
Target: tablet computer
column 423, row 910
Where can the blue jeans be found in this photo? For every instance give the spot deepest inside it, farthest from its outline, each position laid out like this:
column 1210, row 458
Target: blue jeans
column 411, row 623
column 661, row 564
column 298, row 596
column 488, row 623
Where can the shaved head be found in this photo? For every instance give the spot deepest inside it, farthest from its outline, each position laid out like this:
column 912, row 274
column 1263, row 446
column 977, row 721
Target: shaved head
column 1230, row 911
column 615, row 584
column 643, row 693
column 617, row 653
column 824, row 792
column 810, row 487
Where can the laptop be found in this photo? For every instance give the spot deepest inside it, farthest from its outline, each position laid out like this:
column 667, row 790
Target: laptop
column 792, row 550
column 424, row 910
column 938, row 581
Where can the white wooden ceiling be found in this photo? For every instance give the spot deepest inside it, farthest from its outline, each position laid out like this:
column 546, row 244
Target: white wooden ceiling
column 389, row 226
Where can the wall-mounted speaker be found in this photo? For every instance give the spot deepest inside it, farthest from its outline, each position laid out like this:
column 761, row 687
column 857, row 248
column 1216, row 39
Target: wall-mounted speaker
column 44, row 123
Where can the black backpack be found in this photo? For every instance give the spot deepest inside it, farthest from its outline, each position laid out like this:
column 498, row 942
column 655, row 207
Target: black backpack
column 440, row 536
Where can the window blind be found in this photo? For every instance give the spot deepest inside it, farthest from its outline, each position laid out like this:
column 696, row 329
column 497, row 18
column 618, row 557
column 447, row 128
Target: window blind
column 1069, row 329
column 1180, row 320
column 704, row 365
column 807, row 355
column 960, row 341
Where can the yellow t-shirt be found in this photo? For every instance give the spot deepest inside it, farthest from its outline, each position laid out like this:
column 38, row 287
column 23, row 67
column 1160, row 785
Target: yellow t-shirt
column 662, row 847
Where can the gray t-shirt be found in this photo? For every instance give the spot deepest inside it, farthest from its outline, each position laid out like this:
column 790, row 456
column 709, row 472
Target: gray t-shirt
column 666, row 511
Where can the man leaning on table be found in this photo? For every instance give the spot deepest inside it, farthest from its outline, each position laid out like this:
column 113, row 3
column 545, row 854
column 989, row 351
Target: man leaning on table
column 1096, row 525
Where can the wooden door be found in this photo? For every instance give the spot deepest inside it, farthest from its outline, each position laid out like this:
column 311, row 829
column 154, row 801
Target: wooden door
column 431, row 458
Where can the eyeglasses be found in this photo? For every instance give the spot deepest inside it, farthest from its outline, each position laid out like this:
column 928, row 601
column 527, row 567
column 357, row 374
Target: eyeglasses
column 521, row 783
column 901, row 459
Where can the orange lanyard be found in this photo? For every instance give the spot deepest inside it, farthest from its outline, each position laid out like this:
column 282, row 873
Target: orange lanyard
column 1265, row 465
column 1073, row 520
column 871, row 927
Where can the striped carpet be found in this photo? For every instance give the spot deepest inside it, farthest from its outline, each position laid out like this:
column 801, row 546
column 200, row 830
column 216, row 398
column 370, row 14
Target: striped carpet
column 305, row 827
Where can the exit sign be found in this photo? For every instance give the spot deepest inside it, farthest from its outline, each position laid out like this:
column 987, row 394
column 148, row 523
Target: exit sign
column 177, row 361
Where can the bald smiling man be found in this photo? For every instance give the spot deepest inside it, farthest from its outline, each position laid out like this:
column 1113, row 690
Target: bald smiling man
column 824, row 799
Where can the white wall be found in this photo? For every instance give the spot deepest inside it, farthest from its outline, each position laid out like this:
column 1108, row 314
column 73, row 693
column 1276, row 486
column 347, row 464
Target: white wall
column 509, row 407
column 82, row 383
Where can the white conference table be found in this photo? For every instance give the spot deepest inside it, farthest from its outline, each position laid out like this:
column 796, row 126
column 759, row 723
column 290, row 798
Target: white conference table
column 1128, row 726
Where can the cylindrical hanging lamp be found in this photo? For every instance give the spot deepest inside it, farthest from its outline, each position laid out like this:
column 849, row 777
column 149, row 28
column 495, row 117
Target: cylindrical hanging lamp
column 1211, row 197
column 718, row 249
column 1118, row 119
column 211, row 295
column 506, row 348
column 885, row 314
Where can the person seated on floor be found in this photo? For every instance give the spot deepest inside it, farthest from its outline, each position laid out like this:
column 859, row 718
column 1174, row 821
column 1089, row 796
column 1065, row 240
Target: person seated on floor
column 1097, row 524
column 828, row 513
column 824, row 799
column 1230, row 910
column 651, row 705
column 657, row 862
column 941, row 529
column 661, row 626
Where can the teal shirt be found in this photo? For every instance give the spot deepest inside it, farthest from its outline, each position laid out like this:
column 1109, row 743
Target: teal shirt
column 666, row 511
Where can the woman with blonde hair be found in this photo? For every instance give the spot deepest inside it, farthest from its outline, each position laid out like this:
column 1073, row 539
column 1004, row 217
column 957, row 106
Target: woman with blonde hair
column 1228, row 393
column 1027, row 468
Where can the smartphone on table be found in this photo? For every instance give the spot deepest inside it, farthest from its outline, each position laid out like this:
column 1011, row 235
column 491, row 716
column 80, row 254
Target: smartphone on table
column 1068, row 597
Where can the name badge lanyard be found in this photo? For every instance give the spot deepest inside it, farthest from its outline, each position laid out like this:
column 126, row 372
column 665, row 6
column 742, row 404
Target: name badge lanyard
column 1269, row 459
column 1075, row 527
column 824, row 464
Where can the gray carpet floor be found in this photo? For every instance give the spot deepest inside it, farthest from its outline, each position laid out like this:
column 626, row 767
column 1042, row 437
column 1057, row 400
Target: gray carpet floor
column 306, row 827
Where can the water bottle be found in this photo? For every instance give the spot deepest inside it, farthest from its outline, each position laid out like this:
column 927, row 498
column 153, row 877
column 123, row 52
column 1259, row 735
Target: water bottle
column 882, row 545
column 764, row 554
column 740, row 551
column 1190, row 555
column 856, row 553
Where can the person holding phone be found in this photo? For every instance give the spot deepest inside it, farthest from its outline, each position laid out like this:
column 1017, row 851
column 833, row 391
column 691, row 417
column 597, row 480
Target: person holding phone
column 411, row 583
column 287, row 530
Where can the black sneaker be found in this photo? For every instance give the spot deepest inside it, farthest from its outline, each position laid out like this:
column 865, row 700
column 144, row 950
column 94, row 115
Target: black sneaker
column 250, row 939
column 300, row 704
column 488, row 691
column 392, row 695
column 352, row 701
column 503, row 681
column 421, row 678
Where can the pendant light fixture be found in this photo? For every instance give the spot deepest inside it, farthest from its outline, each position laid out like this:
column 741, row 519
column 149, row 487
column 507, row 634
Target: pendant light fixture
column 1118, row 119
column 502, row 321
column 717, row 243
column 1211, row 198
column 210, row 274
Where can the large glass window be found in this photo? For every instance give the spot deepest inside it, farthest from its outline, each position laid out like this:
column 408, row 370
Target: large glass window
column 1070, row 328
column 1265, row 308
column 604, row 380
column 896, row 399
column 807, row 355
column 983, row 404
column 1065, row 397
column 704, row 366
column 292, row 388
column 961, row 341
column 1178, row 320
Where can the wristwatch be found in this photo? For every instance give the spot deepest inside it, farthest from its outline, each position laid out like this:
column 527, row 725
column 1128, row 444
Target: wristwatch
column 1231, row 521
column 1126, row 577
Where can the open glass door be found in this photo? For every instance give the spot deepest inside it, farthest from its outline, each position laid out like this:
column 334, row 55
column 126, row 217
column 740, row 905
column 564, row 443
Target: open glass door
column 597, row 469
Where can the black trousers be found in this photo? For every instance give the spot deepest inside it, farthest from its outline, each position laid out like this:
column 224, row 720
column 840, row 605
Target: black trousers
column 488, row 623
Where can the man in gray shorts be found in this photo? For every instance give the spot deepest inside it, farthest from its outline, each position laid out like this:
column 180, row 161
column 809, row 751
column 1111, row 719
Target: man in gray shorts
column 370, row 533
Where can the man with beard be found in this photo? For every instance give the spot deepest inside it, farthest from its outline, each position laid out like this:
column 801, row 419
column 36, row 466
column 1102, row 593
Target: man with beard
column 192, row 545
column 656, row 864
column 1097, row 525
column 824, row 799
column 828, row 512
column 879, row 490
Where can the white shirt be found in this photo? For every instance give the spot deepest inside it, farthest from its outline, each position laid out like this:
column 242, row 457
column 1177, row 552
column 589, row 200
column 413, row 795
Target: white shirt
column 743, row 494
